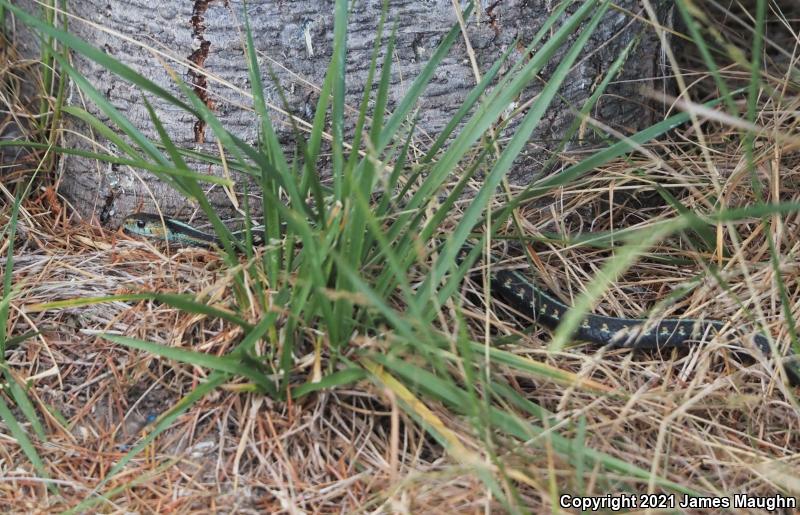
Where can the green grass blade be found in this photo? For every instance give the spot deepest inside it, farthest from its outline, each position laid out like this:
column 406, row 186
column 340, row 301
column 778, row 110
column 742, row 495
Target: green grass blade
column 706, row 237
column 493, row 107
column 215, row 380
column 437, row 388
column 227, row 364
column 186, row 303
column 418, row 86
column 17, row 393
column 364, row 179
column 640, row 243
column 470, row 101
column 613, row 71
column 700, row 43
column 341, row 378
column 16, row 340
column 116, row 117
column 574, row 172
column 338, row 65
column 382, row 96
column 518, row 141
column 23, row 402
column 23, row 441
column 96, row 55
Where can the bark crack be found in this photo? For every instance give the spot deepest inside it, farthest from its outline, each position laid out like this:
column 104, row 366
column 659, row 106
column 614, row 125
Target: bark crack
column 197, row 75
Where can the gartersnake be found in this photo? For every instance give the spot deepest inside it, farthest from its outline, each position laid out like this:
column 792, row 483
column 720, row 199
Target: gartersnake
column 521, row 294
column 152, row 226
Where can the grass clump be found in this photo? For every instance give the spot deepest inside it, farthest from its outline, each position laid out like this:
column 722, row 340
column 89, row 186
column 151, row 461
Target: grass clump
column 359, row 297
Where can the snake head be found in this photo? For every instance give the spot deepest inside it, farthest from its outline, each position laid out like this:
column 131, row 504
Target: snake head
column 174, row 232
column 143, row 225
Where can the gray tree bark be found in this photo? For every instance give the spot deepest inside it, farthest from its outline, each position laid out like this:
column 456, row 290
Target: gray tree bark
column 203, row 41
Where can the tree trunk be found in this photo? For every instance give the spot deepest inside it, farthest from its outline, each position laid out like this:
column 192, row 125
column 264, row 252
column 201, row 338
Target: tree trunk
column 203, row 41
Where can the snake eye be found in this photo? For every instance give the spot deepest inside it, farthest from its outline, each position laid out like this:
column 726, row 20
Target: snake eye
column 140, row 224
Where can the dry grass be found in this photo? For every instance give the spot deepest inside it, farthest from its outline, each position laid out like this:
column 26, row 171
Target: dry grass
column 676, row 415
column 228, row 450
column 701, row 418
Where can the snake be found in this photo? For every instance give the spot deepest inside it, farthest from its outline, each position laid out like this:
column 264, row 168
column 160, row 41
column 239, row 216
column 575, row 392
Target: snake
column 176, row 232
column 519, row 292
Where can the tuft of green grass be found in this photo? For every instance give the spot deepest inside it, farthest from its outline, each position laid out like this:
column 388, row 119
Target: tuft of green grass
column 371, row 254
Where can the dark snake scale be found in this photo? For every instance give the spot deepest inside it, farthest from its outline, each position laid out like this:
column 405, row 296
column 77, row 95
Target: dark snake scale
column 523, row 296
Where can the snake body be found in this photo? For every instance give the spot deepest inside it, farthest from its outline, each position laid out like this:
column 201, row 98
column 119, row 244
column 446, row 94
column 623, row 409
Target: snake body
column 527, row 298
column 152, row 226
column 520, row 293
